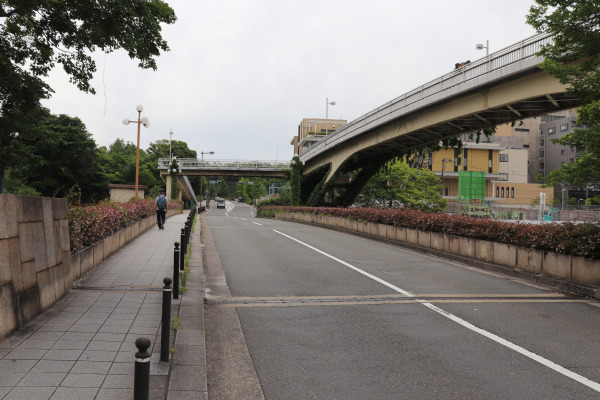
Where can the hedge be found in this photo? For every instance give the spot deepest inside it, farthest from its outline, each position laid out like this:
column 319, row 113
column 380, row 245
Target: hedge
column 92, row 223
column 577, row 239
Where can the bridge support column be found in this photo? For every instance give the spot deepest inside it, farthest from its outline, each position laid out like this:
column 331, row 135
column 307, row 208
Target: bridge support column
column 168, row 193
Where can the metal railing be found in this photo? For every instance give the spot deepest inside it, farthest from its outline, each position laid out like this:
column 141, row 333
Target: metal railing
column 449, row 84
column 193, row 163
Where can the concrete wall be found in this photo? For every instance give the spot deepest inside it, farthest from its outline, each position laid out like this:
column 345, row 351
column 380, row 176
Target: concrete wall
column 568, row 273
column 36, row 264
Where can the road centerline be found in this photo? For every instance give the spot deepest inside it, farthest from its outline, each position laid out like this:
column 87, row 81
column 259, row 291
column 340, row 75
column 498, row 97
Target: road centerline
column 521, row 350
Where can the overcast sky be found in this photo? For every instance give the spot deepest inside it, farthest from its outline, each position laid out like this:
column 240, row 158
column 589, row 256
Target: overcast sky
column 241, row 74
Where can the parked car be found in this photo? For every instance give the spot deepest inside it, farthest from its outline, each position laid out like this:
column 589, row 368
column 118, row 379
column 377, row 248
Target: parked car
column 240, row 199
column 220, row 202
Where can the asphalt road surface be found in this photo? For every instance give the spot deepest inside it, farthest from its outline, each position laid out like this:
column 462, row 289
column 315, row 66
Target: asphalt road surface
column 300, row 312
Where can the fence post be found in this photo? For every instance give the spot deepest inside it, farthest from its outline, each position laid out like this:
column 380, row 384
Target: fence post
column 176, row 271
column 182, row 251
column 141, row 378
column 166, row 321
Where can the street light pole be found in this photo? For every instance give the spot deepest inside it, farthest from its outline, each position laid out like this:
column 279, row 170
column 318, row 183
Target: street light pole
column 139, row 108
column 480, row 46
column 444, row 161
column 327, row 103
column 170, row 137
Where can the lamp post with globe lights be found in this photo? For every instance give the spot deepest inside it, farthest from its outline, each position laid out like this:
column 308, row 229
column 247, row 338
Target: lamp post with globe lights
column 140, row 121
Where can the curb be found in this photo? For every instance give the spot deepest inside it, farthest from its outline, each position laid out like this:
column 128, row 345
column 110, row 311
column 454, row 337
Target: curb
column 187, row 378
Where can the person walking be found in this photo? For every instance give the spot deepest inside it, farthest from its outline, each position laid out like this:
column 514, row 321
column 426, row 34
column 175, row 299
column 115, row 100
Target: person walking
column 161, row 209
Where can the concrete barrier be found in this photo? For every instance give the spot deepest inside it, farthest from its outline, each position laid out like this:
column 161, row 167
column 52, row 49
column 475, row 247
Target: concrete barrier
column 535, row 262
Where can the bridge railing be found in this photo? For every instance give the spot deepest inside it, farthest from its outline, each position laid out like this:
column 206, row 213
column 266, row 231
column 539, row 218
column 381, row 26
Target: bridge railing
column 450, row 83
column 193, row 163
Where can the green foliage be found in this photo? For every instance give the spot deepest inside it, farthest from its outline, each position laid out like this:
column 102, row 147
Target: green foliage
column 573, row 58
column 61, row 155
column 398, row 185
column 36, row 35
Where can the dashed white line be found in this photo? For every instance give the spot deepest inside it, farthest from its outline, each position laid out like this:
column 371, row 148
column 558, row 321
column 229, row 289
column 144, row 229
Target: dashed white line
column 544, row 361
column 256, row 223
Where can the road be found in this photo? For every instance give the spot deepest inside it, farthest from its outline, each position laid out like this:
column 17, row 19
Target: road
column 300, row 312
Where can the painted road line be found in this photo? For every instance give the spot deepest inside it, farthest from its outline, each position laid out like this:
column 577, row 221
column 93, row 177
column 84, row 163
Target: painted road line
column 544, row 361
column 256, row 223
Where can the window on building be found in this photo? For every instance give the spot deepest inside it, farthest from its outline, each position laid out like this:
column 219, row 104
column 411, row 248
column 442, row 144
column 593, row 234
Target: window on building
column 497, row 192
column 564, row 127
column 572, row 159
column 445, row 191
column 563, row 152
column 562, row 163
column 551, row 130
column 525, row 146
column 503, row 157
column 502, row 192
column 521, row 130
column 512, row 192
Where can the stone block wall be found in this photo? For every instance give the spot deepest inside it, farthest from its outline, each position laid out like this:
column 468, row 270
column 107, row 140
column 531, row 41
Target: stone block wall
column 36, row 264
column 35, row 257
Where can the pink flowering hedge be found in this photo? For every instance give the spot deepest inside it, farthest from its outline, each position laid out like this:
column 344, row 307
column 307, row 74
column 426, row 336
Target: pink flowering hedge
column 92, row 223
column 581, row 240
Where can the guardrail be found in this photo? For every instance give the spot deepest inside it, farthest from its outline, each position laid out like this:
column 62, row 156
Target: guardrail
column 193, row 163
column 451, row 83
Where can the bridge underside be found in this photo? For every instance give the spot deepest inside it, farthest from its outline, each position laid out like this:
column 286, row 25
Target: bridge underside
column 529, row 96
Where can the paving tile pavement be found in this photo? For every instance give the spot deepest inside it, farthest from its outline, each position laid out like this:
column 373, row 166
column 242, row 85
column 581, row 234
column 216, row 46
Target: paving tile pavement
column 83, row 347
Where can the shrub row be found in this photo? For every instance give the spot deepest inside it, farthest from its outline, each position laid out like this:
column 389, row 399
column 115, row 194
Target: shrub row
column 92, row 223
column 582, row 239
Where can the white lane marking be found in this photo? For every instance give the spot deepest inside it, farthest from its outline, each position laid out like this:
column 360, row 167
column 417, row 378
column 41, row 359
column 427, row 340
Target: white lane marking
column 243, row 219
column 256, row 223
column 544, row 361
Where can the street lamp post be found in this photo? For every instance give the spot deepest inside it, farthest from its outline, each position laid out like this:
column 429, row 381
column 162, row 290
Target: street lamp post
column 140, row 121
column 444, row 161
column 170, row 137
column 327, row 103
column 206, row 152
column 480, row 46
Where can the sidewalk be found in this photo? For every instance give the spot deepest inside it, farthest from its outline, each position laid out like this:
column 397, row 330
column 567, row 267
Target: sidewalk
column 83, row 346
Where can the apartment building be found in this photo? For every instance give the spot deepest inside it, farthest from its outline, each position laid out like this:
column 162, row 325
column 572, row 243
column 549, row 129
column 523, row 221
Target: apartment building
column 313, row 130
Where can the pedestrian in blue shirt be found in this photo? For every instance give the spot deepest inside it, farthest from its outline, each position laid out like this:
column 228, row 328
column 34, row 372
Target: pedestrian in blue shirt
column 161, row 209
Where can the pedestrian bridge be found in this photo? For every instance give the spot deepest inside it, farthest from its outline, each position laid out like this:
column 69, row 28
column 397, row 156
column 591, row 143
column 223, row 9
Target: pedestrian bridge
column 503, row 87
column 192, row 166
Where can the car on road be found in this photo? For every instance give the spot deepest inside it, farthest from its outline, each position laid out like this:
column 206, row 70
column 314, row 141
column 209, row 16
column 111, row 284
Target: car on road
column 220, row 202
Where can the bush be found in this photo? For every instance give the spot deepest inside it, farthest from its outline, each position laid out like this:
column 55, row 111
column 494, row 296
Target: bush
column 92, row 223
column 581, row 240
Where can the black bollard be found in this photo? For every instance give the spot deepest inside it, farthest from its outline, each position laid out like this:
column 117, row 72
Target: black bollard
column 141, row 379
column 176, row 271
column 182, row 251
column 166, row 321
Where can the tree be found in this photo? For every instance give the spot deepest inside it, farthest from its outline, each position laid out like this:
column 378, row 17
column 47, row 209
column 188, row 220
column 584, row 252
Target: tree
column 398, row 185
column 36, row 35
column 63, row 155
column 574, row 59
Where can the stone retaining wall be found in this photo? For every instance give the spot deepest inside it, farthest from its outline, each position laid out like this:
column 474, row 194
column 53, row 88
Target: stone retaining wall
column 579, row 270
column 36, row 264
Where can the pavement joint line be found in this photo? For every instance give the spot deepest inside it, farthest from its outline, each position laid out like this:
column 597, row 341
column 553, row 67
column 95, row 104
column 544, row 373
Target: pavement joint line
column 387, row 299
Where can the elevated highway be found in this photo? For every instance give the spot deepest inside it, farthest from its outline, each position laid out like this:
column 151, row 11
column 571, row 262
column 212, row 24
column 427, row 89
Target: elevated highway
column 505, row 86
